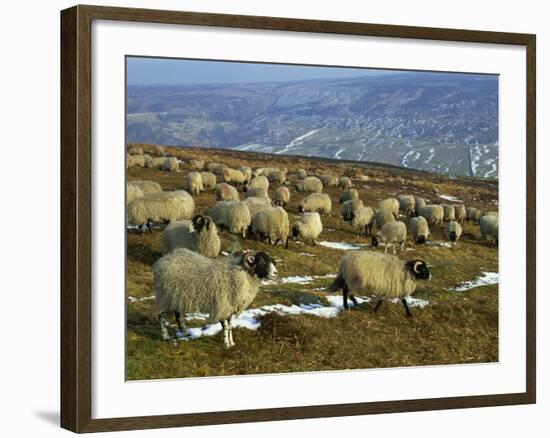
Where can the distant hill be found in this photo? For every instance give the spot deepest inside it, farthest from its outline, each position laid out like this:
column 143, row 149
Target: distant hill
column 434, row 122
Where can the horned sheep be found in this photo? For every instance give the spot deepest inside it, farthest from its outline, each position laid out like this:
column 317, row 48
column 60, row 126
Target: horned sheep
column 319, row 202
column 271, row 223
column 390, row 234
column 308, row 227
column 233, row 215
column 199, row 235
column 281, row 196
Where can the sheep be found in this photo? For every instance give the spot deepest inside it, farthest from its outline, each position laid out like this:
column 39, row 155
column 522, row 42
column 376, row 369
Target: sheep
column 159, row 150
column 390, row 204
column 433, row 213
column 419, row 229
column 488, row 227
column 233, row 215
column 383, row 275
column 147, row 161
column 199, row 235
column 491, row 213
column 390, row 234
column 132, row 192
column 448, row 212
column 349, row 207
column 348, row 195
column 208, row 181
column 344, row 182
column 406, row 204
column 160, row 207
column 310, row 184
column 135, row 150
column 319, row 202
column 187, row 282
column 257, row 192
column 281, row 196
column 226, row 192
column 363, row 219
column 135, row 161
column 460, row 213
column 276, row 176
column 246, row 171
column 301, row 173
column 453, row 231
column 271, row 223
column 146, row 186
column 196, row 164
column 473, row 214
column 233, row 176
column 308, row 228
column 265, row 171
column 419, row 203
column 329, row 180
column 382, row 217
column 255, row 205
column 193, row 183
column 216, row 168
column 158, row 163
column 171, row 164
column 258, row 182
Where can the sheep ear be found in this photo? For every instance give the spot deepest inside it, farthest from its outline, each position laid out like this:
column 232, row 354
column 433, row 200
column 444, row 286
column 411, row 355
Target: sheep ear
column 416, row 265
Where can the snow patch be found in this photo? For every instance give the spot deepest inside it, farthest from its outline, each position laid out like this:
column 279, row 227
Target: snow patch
column 450, row 198
column 343, row 246
column 140, row 299
column 486, row 279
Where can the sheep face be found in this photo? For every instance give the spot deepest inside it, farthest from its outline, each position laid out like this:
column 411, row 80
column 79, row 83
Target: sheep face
column 261, row 265
column 348, row 216
column 295, row 231
column 199, row 222
column 375, row 241
column 419, row 269
column 421, row 240
column 452, row 236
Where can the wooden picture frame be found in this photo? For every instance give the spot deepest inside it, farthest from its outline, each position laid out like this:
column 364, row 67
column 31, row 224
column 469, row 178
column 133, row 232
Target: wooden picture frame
column 76, row 217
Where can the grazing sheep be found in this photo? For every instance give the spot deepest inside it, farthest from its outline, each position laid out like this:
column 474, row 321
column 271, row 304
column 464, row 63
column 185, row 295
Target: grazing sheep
column 208, row 181
column 310, row 184
column 255, row 205
column 226, row 192
column 171, row 164
column 319, row 202
column 160, row 207
column 132, row 192
column 363, row 219
column 233, row 176
column 193, row 183
column 147, row 161
column 135, row 161
column 390, row 234
column 329, row 180
column 246, row 171
column 406, row 204
column 196, row 164
column 460, row 213
column 281, row 196
column 257, row 192
column 448, row 212
column 146, row 186
column 199, row 235
column 349, row 195
column 433, row 213
column 453, row 231
column 276, row 176
column 233, row 215
column 258, row 182
column 301, row 173
column 382, row 275
column 390, row 204
column 135, row 150
column 158, row 163
column 419, row 203
column 473, row 214
column 419, row 229
column 187, row 282
column 216, row 168
column 272, row 223
column 349, row 207
column 308, row 228
column 488, row 227
column 265, row 171
column 159, row 150
column 344, row 182
column 383, row 217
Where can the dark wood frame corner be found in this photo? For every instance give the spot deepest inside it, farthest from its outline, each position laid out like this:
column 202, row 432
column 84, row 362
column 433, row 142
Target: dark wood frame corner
column 76, row 221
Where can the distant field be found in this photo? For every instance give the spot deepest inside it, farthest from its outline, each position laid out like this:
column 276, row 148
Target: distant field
column 294, row 325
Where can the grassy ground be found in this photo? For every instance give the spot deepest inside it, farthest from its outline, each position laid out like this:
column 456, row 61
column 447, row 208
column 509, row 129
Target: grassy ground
column 457, row 327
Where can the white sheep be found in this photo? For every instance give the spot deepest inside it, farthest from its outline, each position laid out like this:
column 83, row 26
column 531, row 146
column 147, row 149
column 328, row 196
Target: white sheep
column 255, row 205
column 460, row 213
column 488, row 227
column 276, row 176
column 199, row 235
column 418, row 226
column 362, row 220
column 159, row 150
column 233, row 176
column 208, row 181
column 308, row 228
column 448, row 212
column 329, row 180
column 247, row 172
column 135, row 150
column 344, row 182
column 196, row 164
column 187, row 282
column 158, row 163
column 310, row 184
column 135, row 161
column 348, row 195
column 382, row 217
column 258, row 182
column 433, row 213
column 348, row 207
column 319, row 202
column 281, row 197
column 383, row 275
column 146, row 186
column 390, row 234
column 473, row 214
column 301, row 173
column 233, row 215
column 406, row 204
column 171, row 164
column 453, row 231
column 147, row 161
column 390, row 204
column 216, row 168
column 272, row 224
column 193, row 183
column 226, row 192
column 257, row 192
column 132, row 192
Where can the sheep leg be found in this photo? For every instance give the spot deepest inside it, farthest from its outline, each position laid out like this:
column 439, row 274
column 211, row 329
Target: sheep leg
column 345, row 292
column 402, row 246
column 231, row 342
column 225, row 327
column 163, row 330
column 181, row 323
column 378, row 304
column 353, row 300
column 407, row 310
column 393, row 247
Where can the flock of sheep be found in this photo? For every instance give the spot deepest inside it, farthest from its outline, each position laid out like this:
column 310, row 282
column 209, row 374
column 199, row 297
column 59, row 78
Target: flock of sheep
column 192, row 277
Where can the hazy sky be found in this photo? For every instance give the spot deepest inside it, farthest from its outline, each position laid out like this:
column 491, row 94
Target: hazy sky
column 144, row 71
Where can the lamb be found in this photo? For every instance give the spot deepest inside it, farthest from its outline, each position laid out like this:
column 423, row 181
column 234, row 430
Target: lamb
column 187, row 282
column 135, row 150
column 363, row 219
column 319, row 202
column 488, row 227
column 233, row 176
column 460, row 213
column 199, row 235
column 348, row 195
column 216, row 168
column 453, row 231
column 433, row 213
column 406, row 204
column 301, row 173
column 329, row 180
column 419, row 229
column 281, row 196
column 258, row 182
column 473, row 214
column 171, row 164
column 208, row 181
column 310, row 184
column 196, row 164
column 146, row 186
column 160, row 207
column 233, row 215
column 308, row 228
column 271, row 223
column 383, row 275
column 390, row 204
column 344, row 183
column 193, row 183
column 226, row 192
column 390, row 234
column 257, row 192
column 382, row 217
column 255, row 205
column 448, row 212
column 347, row 209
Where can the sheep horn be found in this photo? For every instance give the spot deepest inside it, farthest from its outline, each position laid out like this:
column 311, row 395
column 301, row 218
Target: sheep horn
column 415, row 266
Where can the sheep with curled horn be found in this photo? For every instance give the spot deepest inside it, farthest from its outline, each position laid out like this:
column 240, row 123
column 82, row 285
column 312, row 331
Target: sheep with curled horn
column 199, row 235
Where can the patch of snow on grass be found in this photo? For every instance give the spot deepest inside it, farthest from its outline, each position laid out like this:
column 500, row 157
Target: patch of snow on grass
column 486, row 279
column 341, row 245
column 140, row 299
column 450, row 198
column 438, row 243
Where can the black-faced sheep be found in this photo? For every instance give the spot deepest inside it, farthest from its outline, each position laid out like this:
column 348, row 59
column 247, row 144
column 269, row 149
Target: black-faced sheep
column 271, row 224
column 418, row 226
column 308, row 228
column 453, row 231
column 392, row 233
column 349, row 207
column 199, row 235
column 281, row 197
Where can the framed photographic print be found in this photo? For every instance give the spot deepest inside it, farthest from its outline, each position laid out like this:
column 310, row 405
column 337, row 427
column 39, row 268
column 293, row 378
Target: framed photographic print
column 312, row 218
